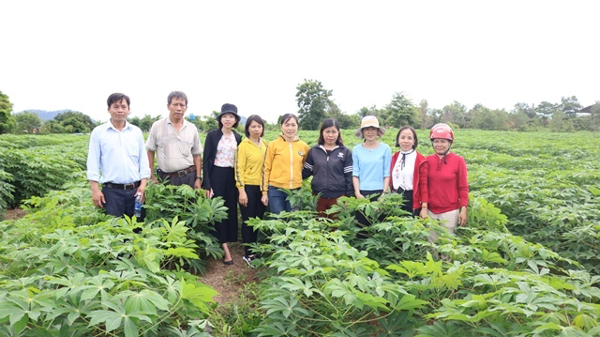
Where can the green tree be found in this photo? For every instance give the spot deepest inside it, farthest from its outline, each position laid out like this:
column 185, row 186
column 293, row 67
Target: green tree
column 7, row 120
column 147, row 121
column 595, row 117
column 314, row 103
column 134, row 120
column 560, row 122
column 197, row 122
column 525, row 108
column 545, row 110
column 78, row 122
column 210, row 122
column 519, row 121
column 424, row 116
column 570, row 106
column 455, row 113
column 371, row 111
column 400, row 111
column 27, row 122
column 346, row 121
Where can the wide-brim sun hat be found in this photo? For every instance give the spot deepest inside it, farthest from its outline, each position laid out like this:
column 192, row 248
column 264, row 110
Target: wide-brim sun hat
column 229, row 108
column 367, row 122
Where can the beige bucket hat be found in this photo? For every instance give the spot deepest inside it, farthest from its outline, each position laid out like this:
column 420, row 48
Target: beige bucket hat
column 369, row 121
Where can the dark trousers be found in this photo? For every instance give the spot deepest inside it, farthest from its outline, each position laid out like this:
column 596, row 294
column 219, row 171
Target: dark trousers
column 120, row 202
column 408, row 203
column 223, row 185
column 255, row 209
column 362, row 220
column 188, row 179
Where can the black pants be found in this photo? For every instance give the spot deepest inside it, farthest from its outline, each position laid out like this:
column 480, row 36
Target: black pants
column 120, row 202
column 223, row 185
column 188, row 179
column 408, row 203
column 254, row 209
column 362, row 220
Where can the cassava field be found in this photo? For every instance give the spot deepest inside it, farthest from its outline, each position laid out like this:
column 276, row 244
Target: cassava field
column 526, row 264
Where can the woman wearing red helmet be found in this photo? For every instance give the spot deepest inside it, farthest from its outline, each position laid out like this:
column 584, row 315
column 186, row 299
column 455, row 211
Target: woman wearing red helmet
column 447, row 189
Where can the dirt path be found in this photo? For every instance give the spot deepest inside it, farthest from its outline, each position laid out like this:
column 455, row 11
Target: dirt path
column 14, row 214
column 228, row 280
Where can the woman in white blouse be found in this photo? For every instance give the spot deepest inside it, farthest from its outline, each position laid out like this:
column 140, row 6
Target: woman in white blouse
column 407, row 167
column 220, row 146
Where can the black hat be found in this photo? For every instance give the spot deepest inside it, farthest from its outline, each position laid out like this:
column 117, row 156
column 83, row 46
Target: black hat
column 229, row 108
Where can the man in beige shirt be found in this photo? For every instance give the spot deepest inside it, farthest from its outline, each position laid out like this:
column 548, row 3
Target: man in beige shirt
column 177, row 145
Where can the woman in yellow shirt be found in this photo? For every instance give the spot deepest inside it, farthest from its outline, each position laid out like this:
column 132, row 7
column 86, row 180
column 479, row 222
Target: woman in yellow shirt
column 283, row 165
column 248, row 174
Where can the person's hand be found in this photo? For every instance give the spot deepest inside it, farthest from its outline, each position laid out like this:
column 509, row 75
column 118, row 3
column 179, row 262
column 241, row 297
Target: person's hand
column 197, row 184
column 462, row 217
column 265, row 200
column 154, row 179
column 98, row 198
column 210, row 193
column 140, row 191
column 359, row 196
column 423, row 213
column 243, row 199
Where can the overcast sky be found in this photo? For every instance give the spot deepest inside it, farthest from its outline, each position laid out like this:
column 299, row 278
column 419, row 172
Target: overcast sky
column 73, row 55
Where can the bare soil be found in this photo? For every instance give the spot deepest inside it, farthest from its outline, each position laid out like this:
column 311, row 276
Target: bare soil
column 228, row 280
column 14, row 214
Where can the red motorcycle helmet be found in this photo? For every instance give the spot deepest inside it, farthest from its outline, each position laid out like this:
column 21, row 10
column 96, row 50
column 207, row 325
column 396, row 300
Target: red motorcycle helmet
column 441, row 131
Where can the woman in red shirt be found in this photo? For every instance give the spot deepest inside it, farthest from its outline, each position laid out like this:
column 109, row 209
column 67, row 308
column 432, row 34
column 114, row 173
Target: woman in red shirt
column 447, row 189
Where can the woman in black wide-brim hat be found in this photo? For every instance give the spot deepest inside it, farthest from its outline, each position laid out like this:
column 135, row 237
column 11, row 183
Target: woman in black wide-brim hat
column 220, row 147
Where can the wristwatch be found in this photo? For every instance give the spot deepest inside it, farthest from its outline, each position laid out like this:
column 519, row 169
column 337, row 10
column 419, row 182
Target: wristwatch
column 197, row 178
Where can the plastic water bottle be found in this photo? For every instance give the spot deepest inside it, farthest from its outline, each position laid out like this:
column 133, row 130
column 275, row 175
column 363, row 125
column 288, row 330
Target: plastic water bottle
column 137, row 209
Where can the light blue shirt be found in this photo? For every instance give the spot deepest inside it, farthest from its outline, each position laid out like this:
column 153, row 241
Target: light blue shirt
column 371, row 166
column 120, row 155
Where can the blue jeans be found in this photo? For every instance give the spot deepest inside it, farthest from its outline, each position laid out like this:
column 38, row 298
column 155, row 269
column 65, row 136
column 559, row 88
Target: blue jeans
column 277, row 202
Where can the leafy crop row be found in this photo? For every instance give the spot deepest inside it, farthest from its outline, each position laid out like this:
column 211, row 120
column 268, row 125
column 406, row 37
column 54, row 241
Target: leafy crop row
column 395, row 282
column 68, row 270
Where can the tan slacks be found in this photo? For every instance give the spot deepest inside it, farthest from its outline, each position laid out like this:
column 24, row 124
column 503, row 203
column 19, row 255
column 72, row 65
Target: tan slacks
column 447, row 219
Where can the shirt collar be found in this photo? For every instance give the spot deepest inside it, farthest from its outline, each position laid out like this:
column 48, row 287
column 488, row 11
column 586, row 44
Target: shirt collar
column 168, row 121
column 111, row 126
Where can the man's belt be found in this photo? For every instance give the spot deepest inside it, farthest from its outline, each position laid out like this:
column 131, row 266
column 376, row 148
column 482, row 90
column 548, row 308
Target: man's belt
column 125, row 187
column 181, row 173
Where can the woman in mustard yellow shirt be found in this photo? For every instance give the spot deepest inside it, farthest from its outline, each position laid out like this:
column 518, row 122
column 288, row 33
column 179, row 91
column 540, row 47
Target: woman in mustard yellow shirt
column 248, row 174
column 283, row 165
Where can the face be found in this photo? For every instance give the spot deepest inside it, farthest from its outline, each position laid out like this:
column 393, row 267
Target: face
column 441, row 146
column 370, row 133
column 255, row 129
column 177, row 109
column 289, row 128
column 406, row 140
column 330, row 135
column 118, row 111
column 228, row 120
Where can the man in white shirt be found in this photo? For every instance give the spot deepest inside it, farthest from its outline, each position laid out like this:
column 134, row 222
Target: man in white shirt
column 176, row 144
column 117, row 150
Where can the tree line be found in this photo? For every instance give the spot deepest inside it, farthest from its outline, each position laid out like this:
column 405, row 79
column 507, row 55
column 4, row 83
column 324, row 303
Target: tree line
column 315, row 103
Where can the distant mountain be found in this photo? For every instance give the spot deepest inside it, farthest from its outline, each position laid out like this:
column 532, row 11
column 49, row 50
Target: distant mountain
column 46, row 115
